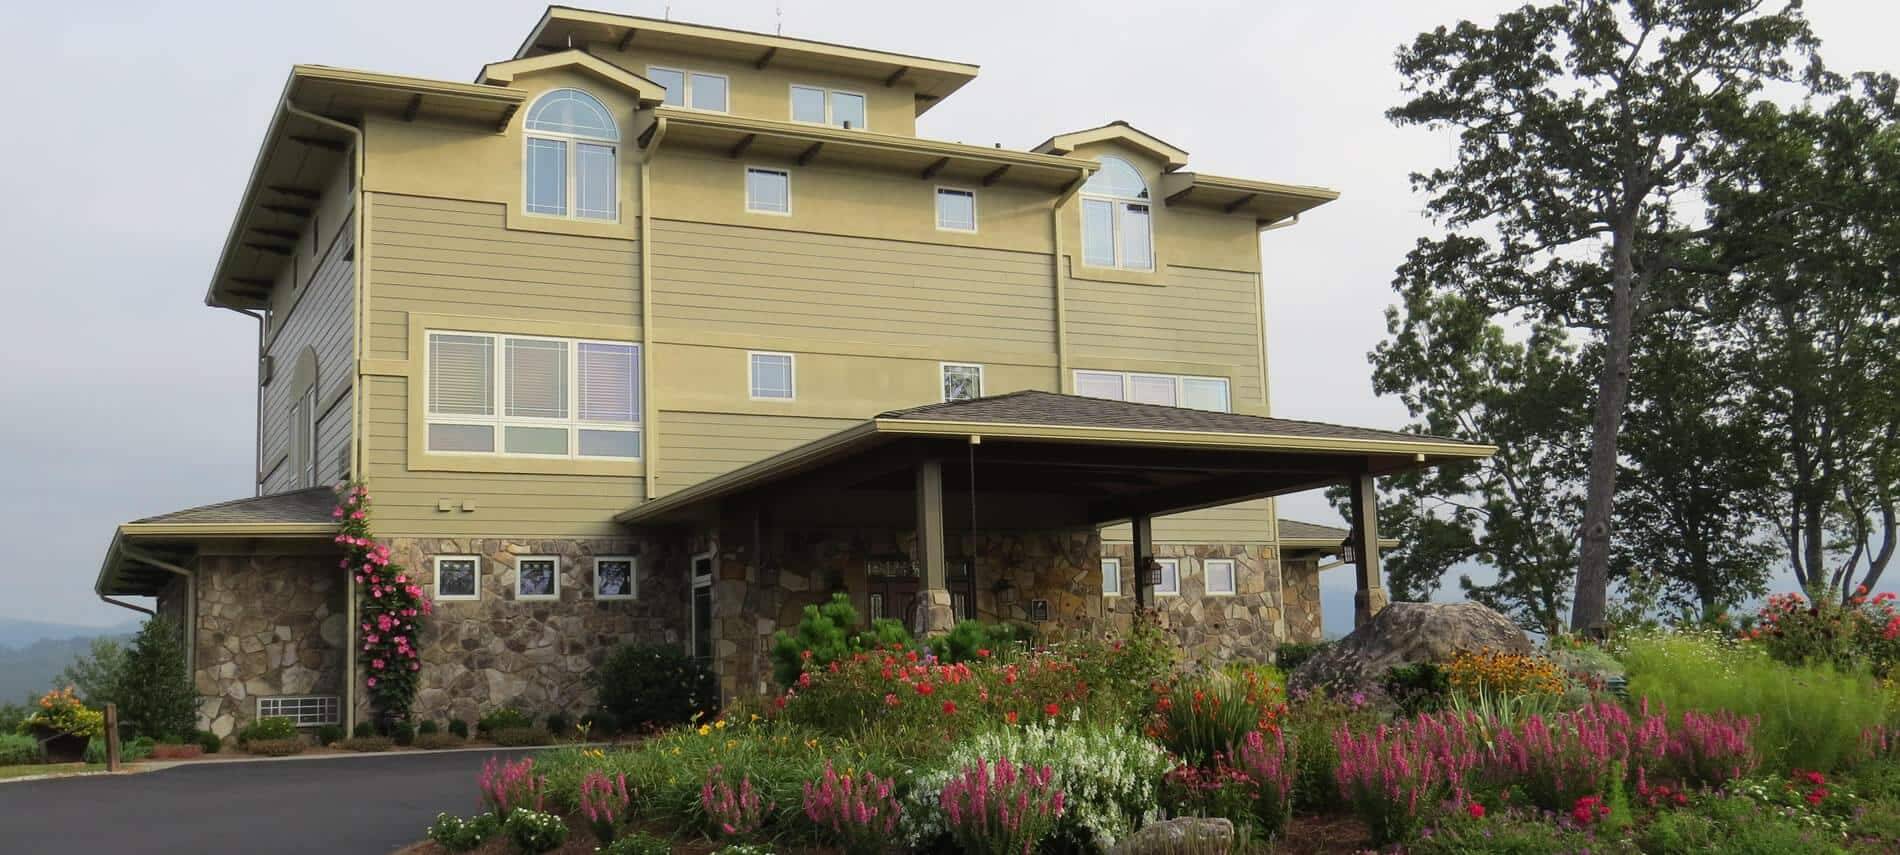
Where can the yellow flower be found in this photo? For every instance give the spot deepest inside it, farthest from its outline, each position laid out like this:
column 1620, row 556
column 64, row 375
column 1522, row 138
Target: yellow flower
column 720, row 724
column 703, row 730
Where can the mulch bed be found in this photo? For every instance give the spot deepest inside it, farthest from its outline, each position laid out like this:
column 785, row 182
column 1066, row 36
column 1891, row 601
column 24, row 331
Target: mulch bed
column 1309, row 835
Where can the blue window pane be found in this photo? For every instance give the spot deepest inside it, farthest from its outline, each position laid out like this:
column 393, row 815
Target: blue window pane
column 1098, row 232
column 596, row 182
column 1137, row 251
column 547, row 176
column 571, row 111
column 675, row 83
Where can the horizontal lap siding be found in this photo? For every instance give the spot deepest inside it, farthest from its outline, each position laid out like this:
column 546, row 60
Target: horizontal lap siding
column 453, row 257
column 1206, row 316
column 506, row 505
column 333, row 443
column 1241, row 522
column 698, row 446
column 767, row 282
column 321, row 320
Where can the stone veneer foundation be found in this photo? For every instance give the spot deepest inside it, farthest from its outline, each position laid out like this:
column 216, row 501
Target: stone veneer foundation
column 1244, row 625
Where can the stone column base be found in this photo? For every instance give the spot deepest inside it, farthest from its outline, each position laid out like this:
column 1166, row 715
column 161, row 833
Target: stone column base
column 1367, row 603
column 939, row 617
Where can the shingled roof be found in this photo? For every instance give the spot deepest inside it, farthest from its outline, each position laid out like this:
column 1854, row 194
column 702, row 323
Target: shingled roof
column 1297, row 530
column 312, row 505
column 1048, row 408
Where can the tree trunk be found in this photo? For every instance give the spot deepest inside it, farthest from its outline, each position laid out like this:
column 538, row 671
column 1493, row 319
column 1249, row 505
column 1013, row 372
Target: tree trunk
column 1599, row 501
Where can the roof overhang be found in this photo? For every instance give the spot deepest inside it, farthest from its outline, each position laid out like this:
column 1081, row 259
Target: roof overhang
column 1268, row 202
column 928, row 159
column 128, row 571
column 298, row 154
column 1172, row 157
column 1235, row 464
column 647, row 91
column 562, row 28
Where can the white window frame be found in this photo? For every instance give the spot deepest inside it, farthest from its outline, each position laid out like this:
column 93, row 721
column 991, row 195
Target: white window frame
column 328, row 709
column 633, row 577
column 686, row 88
column 828, row 91
column 1128, row 379
column 1166, row 565
column 556, row 595
column 1118, row 207
column 943, row 372
column 1111, row 570
column 936, row 200
column 501, row 421
column 748, row 190
column 1207, row 577
column 435, row 582
column 751, row 376
column 570, row 203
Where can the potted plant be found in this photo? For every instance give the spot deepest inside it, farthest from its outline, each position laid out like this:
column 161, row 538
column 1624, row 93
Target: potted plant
column 63, row 726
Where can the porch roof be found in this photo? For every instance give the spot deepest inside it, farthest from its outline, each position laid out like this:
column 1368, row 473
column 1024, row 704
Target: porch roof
column 1074, row 460
column 134, row 560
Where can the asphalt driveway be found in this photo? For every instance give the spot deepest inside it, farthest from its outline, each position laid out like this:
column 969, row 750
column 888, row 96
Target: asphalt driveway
column 347, row 804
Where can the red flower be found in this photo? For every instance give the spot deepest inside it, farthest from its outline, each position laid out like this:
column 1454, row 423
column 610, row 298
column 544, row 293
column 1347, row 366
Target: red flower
column 1010, row 717
column 1817, row 795
column 924, row 688
column 949, row 707
column 1476, row 810
column 1815, row 778
column 1052, row 710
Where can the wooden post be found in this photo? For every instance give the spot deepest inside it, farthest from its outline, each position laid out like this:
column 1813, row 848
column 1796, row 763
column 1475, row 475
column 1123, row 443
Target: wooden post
column 112, row 737
column 938, row 615
column 1143, row 528
column 1371, row 597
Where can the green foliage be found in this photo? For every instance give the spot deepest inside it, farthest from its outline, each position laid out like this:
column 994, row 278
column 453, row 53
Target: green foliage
column 458, row 727
column 1503, row 833
column 502, row 718
column 129, row 750
column 60, row 711
column 402, row 733
column 1310, row 721
column 601, row 724
column 1732, row 824
column 520, row 737
column 273, row 727
column 96, row 675
column 654, row 686
column 1291, row 655
column 640, row 843
column 155, row 697
column 1811, row 718
column 463, row 835
column 428, row 726
column 535, row 831
column 1851, row 637
column 210, row 742
column 558, row 723
column 1208, row 714
column 274, row 747
column 1422, row 687
column 963, row 641
column 828, row 633
column 363, row 729
column 367, row 744
column 17, row 749
column 329, row 733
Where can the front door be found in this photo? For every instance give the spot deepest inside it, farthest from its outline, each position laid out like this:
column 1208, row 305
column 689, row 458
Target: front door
column 702, row 613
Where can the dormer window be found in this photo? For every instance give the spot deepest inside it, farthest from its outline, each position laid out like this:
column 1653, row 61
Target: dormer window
column 819, row 106
column 698, row 90
column 1116, row 231
column 569, row 167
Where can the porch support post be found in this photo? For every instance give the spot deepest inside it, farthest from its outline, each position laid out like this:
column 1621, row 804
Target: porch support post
column 938, row 616
column 1371, row 597
column 1143, row 528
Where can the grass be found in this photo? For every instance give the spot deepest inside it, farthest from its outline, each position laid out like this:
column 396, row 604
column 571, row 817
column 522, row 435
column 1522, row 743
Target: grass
column 31, row 769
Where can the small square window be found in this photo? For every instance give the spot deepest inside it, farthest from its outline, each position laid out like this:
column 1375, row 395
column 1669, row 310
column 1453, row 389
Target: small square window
column 847, row 110
column 614, row 578
column 537, row 577
column 1111, row 577
column 458, row 577
column 962, row 382
column 808, row 105
column 956, row 209
column 1204, row 393
column 707, row 92
column 675, row 82
column 1170, row 584
column 768, row 191
column 1098, row 384
column 1219, row 573
column 772, row 376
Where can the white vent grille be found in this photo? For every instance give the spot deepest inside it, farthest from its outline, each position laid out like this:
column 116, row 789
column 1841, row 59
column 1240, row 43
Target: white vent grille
column 304, row 711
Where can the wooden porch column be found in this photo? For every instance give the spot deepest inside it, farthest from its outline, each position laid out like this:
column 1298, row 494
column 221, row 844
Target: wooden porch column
column 1371, row 597
column 1143, row 528
column 938, row 615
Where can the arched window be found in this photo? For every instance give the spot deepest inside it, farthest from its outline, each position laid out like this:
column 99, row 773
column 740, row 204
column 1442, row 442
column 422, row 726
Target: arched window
column 1115, row 219
column 571, row 141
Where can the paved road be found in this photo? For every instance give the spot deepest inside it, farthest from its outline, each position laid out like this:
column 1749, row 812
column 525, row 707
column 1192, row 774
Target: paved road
column 351, row 804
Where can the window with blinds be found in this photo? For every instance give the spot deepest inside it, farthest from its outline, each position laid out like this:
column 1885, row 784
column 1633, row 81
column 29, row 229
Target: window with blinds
column 532, row 396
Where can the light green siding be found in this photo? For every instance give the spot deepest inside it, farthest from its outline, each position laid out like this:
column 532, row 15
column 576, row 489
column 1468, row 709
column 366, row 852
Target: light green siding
column 701, row 445
column 1200, row 316
column 1242, row 522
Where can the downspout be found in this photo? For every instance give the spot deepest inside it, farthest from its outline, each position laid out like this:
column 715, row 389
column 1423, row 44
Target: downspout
column 257, row 412
column 1060, row 268
column 650, row 413
column 191, row 604
column 359, row 438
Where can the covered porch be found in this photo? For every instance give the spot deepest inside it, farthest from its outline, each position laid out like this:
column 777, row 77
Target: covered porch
column 991, row 509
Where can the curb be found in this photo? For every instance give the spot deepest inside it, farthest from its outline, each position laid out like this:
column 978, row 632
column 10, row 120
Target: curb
column 144, row 766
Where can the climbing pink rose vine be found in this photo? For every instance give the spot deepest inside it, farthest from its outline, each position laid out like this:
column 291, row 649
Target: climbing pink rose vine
column 390, row 602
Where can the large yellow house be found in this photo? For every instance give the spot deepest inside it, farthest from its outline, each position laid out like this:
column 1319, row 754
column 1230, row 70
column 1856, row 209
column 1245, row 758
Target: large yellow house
column 659, row 332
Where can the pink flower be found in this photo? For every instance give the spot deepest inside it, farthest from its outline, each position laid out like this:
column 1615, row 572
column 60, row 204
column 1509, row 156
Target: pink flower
column 371, row 682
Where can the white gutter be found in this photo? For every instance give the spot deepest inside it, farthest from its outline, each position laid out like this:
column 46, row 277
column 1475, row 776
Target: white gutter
column 190, row 628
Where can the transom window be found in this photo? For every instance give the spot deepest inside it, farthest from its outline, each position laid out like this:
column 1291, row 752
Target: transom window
column 302, row 710
column 569, row 164
column 1170, row 584
column 699, row 90
column 532, row 396
column 1168, row 390
column 1218, row 576
column 772, row 376
column 820, row 106
column 962, row 381
column 1116, row 231
column 768, row 191
column 1111, row 577
column 956, row 209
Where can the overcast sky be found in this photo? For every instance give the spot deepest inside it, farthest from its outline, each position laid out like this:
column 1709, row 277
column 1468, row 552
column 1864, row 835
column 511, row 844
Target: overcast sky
column 125, row 396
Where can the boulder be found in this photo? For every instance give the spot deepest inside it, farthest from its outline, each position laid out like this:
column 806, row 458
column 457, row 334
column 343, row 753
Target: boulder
column 1188, row 834
column 1408, row 634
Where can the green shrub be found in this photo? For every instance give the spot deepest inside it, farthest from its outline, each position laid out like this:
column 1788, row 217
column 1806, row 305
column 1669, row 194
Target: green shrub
column 1505, row 834
column 1311, row 720
column 367, row 744
column 274, row 747
column 1209, row 714
column 655, row 686
column 462, row 835
column 827, row 633
column 402, row 733
column 274, row 727
column 505, row 718
column 329, row 734
column 641, row 843
column 95, row 675
column 601, row 724
column 363, row 729
column 1810, row 717
column 1422, row 687
column 427, row 726
column 210, row 742
column 518, row 737
column 154, row 694
column 458, row 727
column 1291, row 655
column 558, row 723
column 534, row 831
column 964, row 641
column 437, row 741
column 18, row 749
column 1731, row 825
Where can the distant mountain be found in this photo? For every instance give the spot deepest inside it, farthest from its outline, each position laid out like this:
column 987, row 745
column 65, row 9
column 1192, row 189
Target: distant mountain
column 19, row 632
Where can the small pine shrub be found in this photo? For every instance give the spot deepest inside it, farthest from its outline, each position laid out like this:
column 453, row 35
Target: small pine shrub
column 272, row 728
column 427, row 726
column 274, row 747
column 402, row 733
column 964, row 641
column 210, row 742
column 458, row 727
column 329, row 733
column 367, row 743
column 558, row 723
column 362, row 729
